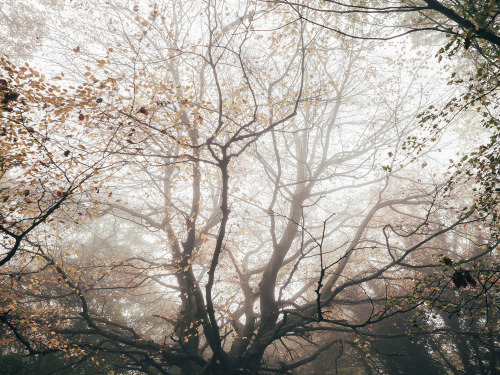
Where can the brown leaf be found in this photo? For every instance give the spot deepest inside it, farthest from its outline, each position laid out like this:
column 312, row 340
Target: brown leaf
column 10, row 96
column 467, row 43
column 447, row 261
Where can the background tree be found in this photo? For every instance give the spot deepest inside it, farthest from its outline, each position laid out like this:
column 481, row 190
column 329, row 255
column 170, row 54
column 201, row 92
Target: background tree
column 469, row 30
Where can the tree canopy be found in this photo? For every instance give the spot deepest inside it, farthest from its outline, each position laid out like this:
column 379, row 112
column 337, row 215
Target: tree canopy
column 251, row 188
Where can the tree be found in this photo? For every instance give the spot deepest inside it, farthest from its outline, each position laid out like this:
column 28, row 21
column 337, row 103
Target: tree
column 23, row 29
column 464, row 24
column 471, row 31
column 261, row 190
column 472, row 23
column 44, row 161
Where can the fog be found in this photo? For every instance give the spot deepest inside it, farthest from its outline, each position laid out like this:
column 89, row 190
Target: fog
column 248, row 187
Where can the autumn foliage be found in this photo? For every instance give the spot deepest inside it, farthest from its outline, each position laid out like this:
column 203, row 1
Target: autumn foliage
column 232, row 188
